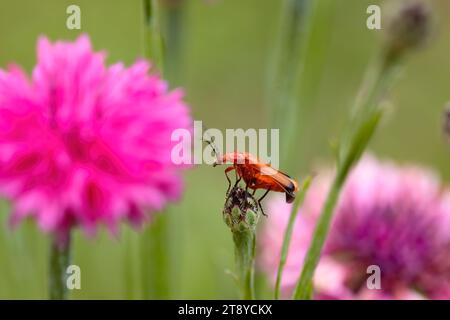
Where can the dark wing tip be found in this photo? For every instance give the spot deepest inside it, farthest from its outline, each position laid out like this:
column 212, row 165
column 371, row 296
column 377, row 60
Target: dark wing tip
column 291, row 188
column 290, row 197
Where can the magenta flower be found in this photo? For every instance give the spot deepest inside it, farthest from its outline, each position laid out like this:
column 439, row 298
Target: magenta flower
column 394, row 217
column 83, row 144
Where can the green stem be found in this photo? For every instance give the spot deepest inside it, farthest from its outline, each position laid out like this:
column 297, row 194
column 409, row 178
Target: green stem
column 155, row 259
column 288, row 234
column 128, row 260
column 286, row 66
column 153, row 43
column 59, row 261
column 302, row 289
column 296, row 67
column 367, row 116
column 155, row 244
column 175, row 15
column 244, row 250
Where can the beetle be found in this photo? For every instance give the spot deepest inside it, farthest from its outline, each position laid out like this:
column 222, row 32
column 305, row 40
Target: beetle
column 256, row 174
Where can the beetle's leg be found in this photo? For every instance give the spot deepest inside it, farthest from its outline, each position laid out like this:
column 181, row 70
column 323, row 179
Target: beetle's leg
column 228, row 178
column 250, row 185
column 255, row 203
column 238, row 177
column 228, row 195
column 237, row 181
column 259, row 202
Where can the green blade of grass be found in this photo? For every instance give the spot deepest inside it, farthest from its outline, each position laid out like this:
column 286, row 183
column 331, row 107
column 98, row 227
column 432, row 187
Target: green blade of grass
column 359, row 143
column 288, row 234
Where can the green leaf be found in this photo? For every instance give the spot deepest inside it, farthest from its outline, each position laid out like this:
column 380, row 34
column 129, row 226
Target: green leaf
column 359, row 143
column 288, row 233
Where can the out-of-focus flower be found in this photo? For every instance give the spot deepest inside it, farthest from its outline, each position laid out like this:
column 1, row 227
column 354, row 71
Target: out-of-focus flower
column 390, row 216
column 83, row 144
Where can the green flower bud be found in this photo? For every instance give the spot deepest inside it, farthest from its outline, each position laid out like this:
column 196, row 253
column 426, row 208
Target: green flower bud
column 240, row 212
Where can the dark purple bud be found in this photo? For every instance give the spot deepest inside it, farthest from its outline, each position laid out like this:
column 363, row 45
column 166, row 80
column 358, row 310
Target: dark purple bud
column 408, row 26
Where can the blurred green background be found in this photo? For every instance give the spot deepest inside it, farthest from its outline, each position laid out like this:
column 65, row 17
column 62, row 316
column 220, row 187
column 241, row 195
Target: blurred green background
column 224, row 53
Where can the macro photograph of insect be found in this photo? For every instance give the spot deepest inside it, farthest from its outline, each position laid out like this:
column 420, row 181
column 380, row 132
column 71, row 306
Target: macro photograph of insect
column 255, row 174
column 199, row 151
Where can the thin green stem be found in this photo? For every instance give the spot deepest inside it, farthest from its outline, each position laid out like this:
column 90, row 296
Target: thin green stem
column 303, row 288
column 295, row 69
column 153, row 42
column 244, row 249
column 286, row 66
column 59, row 261
column 155, row 259
column 288, row 234
column 155, row 244
column 128, row 265
column 366, row 119
column 320, row 233
column 175, row 15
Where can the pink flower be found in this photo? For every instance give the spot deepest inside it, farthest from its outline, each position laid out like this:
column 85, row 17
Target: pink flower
column 82, row 143
column 394, row 217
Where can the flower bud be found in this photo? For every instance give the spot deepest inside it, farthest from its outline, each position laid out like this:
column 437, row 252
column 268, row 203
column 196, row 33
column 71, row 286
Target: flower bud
column 408, row 26
column 240, row 212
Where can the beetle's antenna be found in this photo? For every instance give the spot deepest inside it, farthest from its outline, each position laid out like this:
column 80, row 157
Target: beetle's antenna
column 212, row 144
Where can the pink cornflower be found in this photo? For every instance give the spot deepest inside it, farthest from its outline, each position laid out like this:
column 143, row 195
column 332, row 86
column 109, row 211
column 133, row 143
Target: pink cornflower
column 84, row 144
column 394, row 217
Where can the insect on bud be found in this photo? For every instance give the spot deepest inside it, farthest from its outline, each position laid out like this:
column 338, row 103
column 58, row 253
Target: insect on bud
column 240, row 212
column 408, row 26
